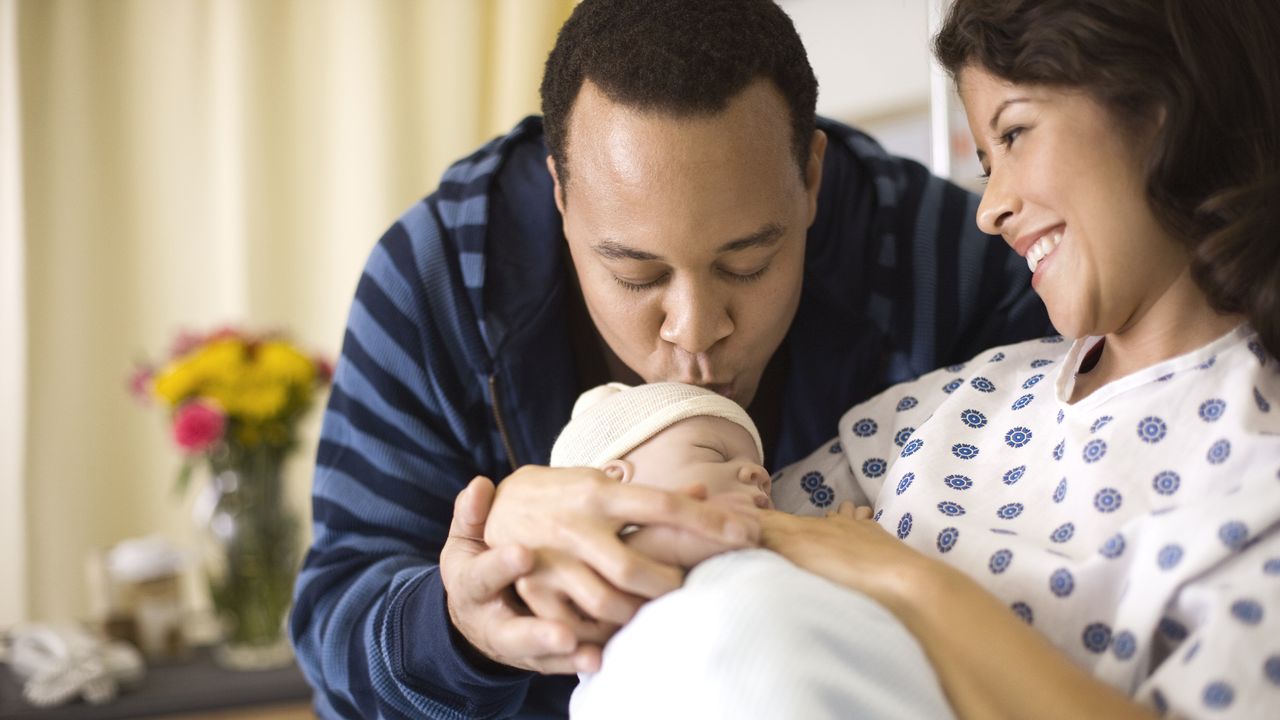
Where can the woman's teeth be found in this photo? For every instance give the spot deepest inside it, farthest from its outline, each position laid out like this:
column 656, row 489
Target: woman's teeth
column 1041, row 248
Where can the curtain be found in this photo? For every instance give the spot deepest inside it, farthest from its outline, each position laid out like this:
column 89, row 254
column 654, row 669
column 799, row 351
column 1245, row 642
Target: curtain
column 190, row 163
column 13, row 351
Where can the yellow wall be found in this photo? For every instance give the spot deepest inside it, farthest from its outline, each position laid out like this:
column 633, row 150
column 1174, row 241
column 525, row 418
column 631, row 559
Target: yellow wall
column 185, row 163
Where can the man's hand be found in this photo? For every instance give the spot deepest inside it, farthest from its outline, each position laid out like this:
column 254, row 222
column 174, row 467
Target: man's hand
column 676, row 546
column 554, row 533
column 579, row 512
column 484, row 608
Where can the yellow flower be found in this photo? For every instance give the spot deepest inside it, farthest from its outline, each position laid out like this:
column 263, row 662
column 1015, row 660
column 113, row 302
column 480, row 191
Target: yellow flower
column 256, row 398
column 221, row 362
column 175, row 382
column 203, row 372
column 282, row 361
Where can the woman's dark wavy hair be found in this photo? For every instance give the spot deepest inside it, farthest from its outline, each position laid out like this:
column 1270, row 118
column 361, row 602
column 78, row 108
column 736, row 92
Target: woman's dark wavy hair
column 1213, row 68
column 681, row 57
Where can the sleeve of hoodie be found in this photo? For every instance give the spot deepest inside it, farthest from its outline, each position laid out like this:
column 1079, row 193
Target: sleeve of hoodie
column 969, row 290
column 406, row 413
column 996, row 305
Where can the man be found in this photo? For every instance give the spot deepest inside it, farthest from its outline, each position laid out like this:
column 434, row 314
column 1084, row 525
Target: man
column 677, row 215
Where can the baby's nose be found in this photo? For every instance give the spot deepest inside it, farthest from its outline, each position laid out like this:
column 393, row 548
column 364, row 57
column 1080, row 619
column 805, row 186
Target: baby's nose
column 755, row 474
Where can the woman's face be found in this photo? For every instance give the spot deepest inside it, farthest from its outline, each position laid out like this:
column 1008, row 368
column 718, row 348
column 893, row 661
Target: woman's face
column 1066, row 190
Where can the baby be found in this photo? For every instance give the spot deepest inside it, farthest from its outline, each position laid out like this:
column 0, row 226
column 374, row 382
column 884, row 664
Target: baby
column 673, row 436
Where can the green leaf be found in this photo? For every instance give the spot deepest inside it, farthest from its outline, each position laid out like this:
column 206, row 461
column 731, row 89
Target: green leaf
column 184, row 476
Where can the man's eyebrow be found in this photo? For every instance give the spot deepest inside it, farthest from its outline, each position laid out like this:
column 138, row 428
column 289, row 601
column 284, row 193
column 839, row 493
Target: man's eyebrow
column 614, row 250
column 764, row 237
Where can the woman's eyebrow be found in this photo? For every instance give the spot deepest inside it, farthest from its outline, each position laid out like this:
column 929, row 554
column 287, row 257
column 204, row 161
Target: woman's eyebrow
column 995, row 117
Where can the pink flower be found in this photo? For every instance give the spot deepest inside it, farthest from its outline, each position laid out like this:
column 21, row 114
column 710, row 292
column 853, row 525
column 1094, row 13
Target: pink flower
column 198, row 425
column 186, row 342
column 140, row 383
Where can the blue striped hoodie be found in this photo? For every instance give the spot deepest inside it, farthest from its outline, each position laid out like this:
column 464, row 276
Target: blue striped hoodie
column 456, row 362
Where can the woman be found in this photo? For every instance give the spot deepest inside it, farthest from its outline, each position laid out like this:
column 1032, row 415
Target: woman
column 1131, row 152
column 1120, row 493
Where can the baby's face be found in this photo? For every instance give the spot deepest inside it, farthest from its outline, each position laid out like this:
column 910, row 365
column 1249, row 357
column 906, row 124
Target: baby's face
column 711, row 451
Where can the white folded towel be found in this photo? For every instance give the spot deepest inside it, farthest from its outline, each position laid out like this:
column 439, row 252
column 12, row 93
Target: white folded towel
column 60, row 662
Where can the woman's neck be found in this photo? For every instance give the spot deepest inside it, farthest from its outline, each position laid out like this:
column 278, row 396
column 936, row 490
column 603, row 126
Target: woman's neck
column 1179, row 321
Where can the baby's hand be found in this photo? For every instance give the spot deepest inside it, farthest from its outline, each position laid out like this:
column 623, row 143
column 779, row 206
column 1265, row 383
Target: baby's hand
column 848, row 510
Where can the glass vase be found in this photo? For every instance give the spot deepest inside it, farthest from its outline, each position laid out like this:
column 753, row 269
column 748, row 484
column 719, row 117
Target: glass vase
column 250, row 554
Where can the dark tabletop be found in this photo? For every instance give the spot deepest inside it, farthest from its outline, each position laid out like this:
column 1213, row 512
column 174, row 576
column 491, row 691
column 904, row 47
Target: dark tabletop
column 169, row 688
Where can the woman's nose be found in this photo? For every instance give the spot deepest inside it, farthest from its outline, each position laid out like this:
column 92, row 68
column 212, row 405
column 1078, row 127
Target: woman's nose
column 998, row 205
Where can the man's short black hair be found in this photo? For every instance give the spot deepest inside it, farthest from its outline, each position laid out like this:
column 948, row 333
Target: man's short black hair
column 682, row 57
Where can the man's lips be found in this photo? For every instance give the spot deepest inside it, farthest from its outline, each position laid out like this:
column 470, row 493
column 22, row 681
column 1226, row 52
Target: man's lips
column 720, row 388
column 725, row 389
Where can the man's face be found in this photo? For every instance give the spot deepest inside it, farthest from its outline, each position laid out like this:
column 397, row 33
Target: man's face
column 688, row 234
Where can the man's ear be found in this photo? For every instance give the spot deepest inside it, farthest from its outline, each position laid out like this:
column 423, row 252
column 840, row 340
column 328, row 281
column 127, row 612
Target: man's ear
column 813, row 171
column 621, row 470
column 555, row 182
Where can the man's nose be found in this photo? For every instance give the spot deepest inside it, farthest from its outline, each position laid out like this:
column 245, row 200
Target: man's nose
column 697, row 317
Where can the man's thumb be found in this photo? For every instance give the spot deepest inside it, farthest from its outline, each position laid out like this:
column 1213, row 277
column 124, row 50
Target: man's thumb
column 471, row 509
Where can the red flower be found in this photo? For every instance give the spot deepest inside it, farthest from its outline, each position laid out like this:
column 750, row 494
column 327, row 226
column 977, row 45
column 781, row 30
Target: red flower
column 324, row 370
column 198, row 425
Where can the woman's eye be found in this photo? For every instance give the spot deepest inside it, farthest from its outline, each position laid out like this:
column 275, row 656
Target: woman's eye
column 1010, row 135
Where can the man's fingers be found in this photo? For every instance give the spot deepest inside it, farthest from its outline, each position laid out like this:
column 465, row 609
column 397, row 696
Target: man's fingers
column 697, row 491
column 471, row 508
column 492, row 571
column 530, row 639
column 627, row 569
column 596, row 598
column 587, row 658
column 650, row 506
column 548, row 604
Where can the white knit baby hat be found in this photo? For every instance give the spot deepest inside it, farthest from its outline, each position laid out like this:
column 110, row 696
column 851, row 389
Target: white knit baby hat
column 611, row 420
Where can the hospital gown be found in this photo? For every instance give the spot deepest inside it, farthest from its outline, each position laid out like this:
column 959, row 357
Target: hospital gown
column 1137, row 528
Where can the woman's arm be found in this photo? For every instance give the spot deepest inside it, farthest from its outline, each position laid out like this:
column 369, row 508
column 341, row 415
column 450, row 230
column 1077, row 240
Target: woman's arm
column 972, row 657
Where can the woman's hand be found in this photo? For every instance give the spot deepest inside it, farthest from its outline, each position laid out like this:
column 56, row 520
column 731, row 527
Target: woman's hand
column 972, row 657
column 849, row 548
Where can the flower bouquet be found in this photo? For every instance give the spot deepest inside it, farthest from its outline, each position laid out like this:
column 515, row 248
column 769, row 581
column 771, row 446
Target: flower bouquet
column 234, row 401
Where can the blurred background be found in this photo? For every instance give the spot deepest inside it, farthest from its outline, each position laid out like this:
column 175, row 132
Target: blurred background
column 184, row 164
